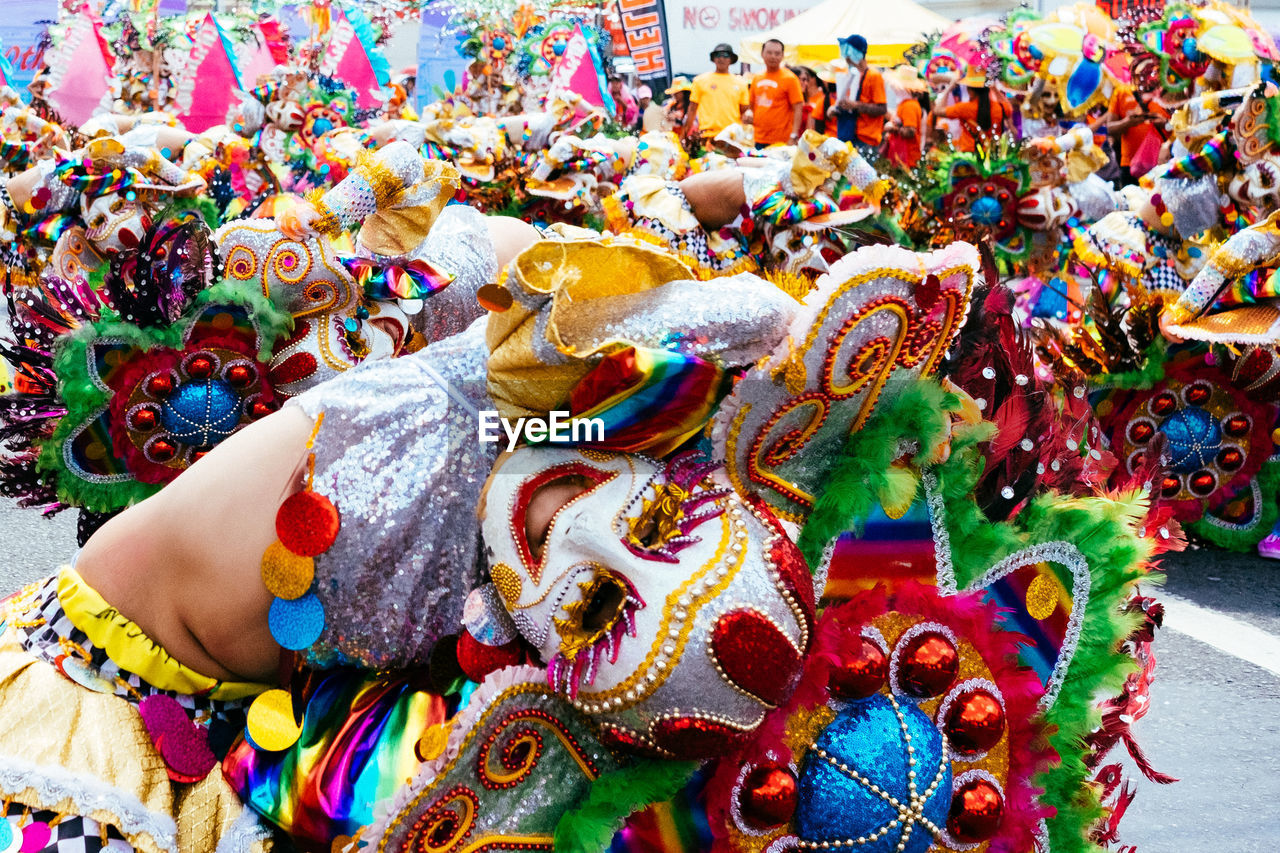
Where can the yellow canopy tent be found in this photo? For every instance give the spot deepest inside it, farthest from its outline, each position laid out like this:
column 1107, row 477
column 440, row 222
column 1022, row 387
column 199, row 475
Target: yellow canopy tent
column 889, row 28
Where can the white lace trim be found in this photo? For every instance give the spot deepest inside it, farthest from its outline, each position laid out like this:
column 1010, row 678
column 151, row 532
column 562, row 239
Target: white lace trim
column 246, row 831
column 88, row 794
column 941, row 537
column 823, row 569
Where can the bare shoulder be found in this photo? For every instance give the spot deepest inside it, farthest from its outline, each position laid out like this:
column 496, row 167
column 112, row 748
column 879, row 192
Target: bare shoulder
column 185, row 563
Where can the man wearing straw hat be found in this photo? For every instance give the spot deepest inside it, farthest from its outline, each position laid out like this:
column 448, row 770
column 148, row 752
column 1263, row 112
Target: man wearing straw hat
column 719, row 98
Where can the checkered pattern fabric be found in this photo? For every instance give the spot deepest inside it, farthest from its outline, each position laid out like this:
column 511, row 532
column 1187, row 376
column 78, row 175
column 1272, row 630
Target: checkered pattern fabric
column 49, row 634
column 66, row 835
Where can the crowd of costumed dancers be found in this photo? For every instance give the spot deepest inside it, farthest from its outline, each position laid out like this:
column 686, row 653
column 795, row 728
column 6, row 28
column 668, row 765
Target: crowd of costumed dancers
column 896, row 385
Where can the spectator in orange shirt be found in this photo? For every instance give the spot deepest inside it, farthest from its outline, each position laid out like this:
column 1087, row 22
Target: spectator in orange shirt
column 718, row 98
column 906, row 130
column 1137, row 126
column 815, row 100
column 983, row 115
column 860, row 113
column 777, row 104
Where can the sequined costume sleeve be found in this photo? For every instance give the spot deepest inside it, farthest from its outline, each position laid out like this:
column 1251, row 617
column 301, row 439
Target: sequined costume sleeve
column 399, row 457
column 377, row 182
column 1256, row 246
column 459, row 242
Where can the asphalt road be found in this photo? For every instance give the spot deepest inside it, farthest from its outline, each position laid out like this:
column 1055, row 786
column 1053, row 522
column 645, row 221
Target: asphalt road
column 1213, row 721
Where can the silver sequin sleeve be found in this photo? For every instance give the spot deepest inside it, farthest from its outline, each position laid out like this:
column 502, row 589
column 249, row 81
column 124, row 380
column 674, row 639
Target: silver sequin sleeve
column 459, row 242
column 398, row 454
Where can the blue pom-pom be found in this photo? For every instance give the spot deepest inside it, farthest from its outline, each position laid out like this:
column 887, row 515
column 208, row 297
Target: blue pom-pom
column 868, row 738
column 298, row 623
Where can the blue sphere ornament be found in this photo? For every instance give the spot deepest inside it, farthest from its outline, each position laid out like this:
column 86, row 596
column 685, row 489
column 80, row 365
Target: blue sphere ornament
column 321, row 126
column 558, row 48
column 499, row 43
column 986, row 210
column 856, row 785
column 1194, row 439
column 201, row 413
column 1191, row 49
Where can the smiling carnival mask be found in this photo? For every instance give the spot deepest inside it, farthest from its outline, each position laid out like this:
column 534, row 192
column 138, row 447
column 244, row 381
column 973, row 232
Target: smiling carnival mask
column 664, row 606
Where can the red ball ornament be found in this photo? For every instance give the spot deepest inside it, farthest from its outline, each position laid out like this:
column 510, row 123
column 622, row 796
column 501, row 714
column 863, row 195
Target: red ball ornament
column 160, row 385
column 927, row 664
column 1164, row 405
column 162, row 450
column 260, row 409
column 861, row 675
column 768, row 797
column 143, row 420
column 1170, row 486
column 1203, row 483
column 1198, row 395
column 1236, row 425
column 200, row 367
column 307, row 523
column 478, row 660
column 1230, row 459
column 1141, row 432
column 975, row 722
column 976, row 809
column 240, row 375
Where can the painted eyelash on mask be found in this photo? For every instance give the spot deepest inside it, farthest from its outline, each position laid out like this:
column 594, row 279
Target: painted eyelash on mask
column 676, row 508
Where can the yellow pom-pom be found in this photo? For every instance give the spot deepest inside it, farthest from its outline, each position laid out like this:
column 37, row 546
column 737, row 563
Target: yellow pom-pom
column 286, row 574
column 432, row 743
column 1166, row 219
column 1042, row 596
column 270, row 721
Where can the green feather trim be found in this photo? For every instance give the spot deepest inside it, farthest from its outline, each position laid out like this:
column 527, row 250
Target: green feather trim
column 916, row 413
column 614, row 797
column 1246, row 537
column 1104, row 531
column 271, row 323
column 1151, row 372
column 84, row 399
column 202, row 206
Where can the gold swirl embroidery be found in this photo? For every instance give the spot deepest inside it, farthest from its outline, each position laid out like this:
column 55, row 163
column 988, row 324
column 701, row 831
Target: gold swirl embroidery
column 471, row 735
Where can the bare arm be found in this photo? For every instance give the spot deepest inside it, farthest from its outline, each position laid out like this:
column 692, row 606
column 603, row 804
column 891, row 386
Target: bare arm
column 689, row 118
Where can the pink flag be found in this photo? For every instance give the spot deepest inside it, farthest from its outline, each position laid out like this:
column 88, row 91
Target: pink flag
column 80, row 70
column 353, row 58
column 580, row 70
column 261, row 54
column 207, row 84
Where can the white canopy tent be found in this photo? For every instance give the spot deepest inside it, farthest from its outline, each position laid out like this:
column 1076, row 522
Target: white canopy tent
column 810, row 37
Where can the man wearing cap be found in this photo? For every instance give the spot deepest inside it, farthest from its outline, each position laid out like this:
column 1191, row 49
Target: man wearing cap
column 719, row 98
column 861, row 104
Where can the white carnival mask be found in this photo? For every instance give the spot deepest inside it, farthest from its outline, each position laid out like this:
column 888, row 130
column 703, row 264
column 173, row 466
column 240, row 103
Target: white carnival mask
column 664, row 605
column 113, row 223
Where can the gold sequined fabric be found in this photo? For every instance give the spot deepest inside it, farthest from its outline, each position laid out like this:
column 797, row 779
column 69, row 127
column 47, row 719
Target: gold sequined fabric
column 73, row 751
